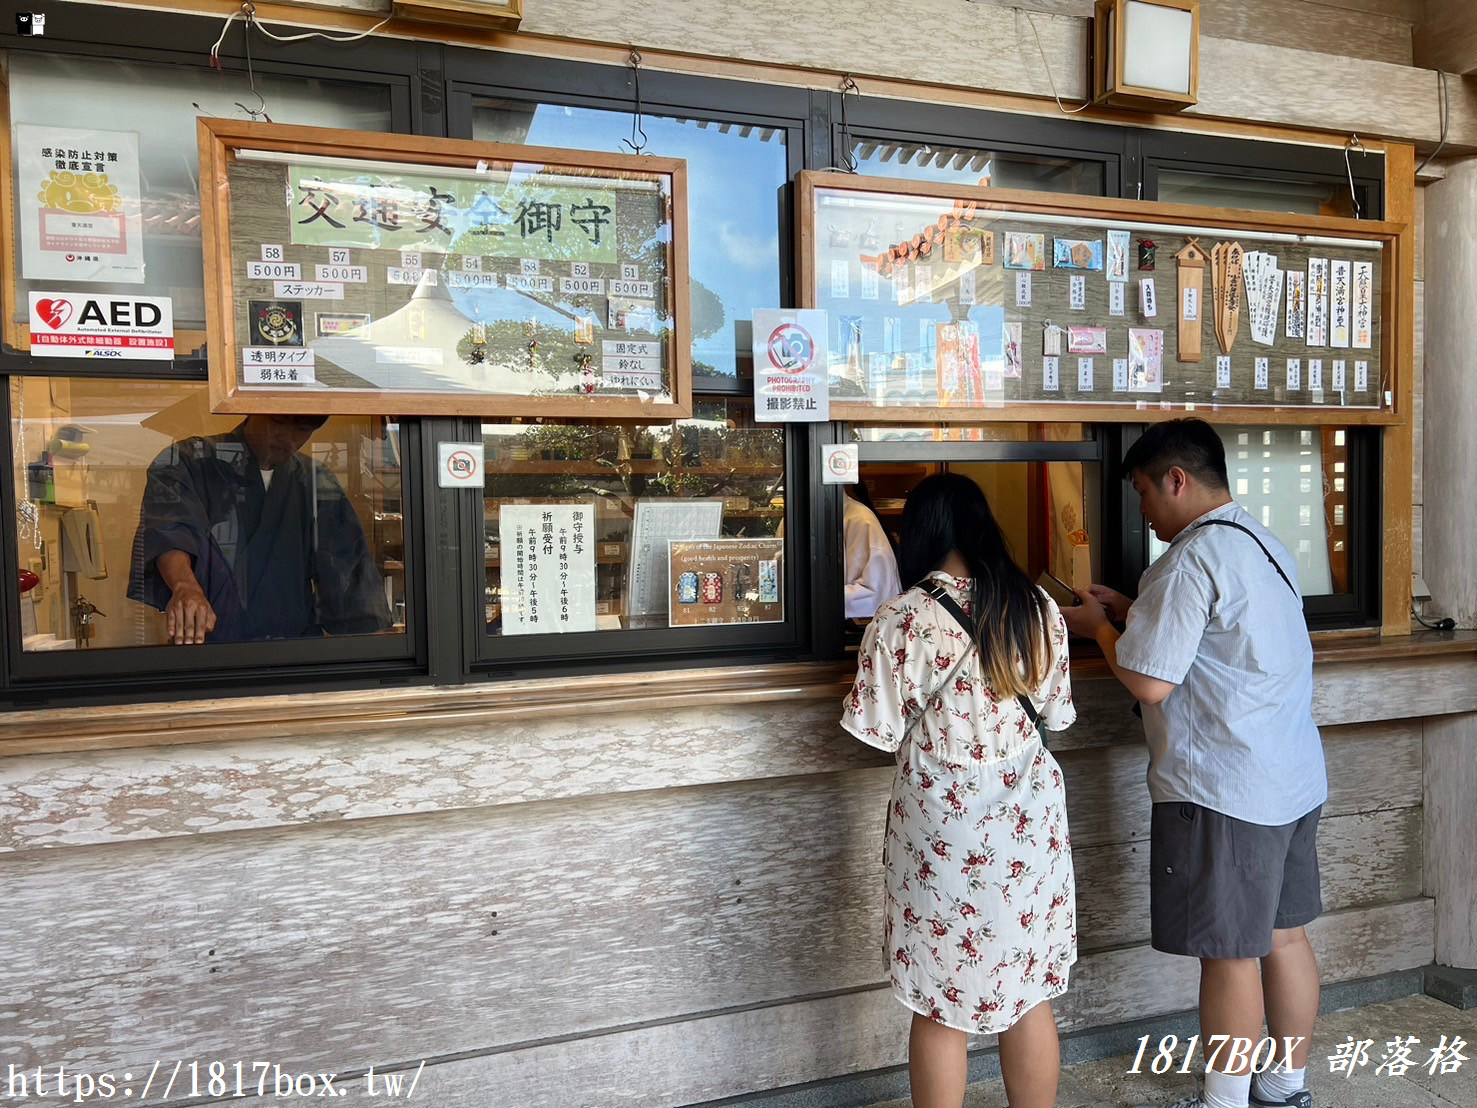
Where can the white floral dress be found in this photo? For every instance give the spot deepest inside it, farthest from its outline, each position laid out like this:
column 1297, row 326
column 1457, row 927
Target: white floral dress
column 981, row 913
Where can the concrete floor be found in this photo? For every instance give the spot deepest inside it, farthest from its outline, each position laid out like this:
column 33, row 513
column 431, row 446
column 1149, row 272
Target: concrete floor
column 1106, row 1084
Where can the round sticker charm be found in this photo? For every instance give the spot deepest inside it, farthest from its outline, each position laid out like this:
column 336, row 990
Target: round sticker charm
column 791, row 349
column 277, row 324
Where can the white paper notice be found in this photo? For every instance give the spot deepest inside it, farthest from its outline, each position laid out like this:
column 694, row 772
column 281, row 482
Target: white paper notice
column 403, row 275
column 353, row 274
column 657, row 522
column 1050, row 374
column 1317, row 301
column 870, row 283
column 1190, row 308
column 633, row 290
column 923, row 284
column 966, row 287
column 582, row 286
column 78, row 204
column 1340, row 305
column 1148, row 302
column 308, row 290
column 273, row 271
column 1361, row 376
column 1363, row 305
column 277, row 365
column 1078, row 292
column 902, row 285
column 840, row 278
column 547, row 570
column 1294, row 374
column 1115, row 298
column 1263, row 374
column 1339, row 374
column 1315, row 374
column 1084, row 374
column 1022, row 289
column 1120, row 374
column 1223, row 371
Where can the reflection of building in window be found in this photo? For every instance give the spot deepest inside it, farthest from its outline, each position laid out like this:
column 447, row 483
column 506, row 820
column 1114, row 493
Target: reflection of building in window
column 1290, row 468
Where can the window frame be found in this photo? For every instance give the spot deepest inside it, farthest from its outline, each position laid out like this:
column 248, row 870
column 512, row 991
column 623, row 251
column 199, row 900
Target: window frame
column 904, row 121
column 1359, row 608
column 150, row 38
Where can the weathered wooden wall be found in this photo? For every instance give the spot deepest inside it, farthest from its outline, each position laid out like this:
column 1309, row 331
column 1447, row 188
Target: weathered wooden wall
column 623, row 910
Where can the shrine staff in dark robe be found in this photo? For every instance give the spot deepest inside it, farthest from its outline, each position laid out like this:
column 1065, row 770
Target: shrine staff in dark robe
column 241, row 537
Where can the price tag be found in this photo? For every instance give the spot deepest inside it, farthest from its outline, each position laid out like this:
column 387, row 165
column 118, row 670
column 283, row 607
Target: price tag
column 1294, row 374
column 1022, row 290
column 1263, row 374
column 1115, row 298
column 1084, row 374
column 1078, row 292
column 1120, row 373
column 1050, row 374
column 1223, row 371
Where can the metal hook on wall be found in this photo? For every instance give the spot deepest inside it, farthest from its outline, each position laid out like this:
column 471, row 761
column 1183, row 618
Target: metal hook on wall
column 638, row 140
column 1352, row 144
column 849, row 87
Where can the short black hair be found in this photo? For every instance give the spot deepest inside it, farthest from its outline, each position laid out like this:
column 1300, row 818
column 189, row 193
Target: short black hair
column 1191, row 444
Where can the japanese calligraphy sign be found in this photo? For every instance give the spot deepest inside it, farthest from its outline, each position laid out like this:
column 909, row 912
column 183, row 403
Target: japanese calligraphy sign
column 430, row 276
column 79, row 205
column 548, row 568
column 1105, row 345
column 515, row 217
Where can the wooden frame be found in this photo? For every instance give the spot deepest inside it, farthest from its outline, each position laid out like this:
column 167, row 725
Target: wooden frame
column 1108, row 85
column 221, row 139
column 1394, row 300
column 495, row 15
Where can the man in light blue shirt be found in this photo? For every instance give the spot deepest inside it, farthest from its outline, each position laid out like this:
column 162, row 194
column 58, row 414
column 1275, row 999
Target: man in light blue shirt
column 1217, row 651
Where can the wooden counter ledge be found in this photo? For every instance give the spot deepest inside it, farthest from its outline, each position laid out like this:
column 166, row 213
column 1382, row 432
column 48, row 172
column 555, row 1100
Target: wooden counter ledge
column 195, row 721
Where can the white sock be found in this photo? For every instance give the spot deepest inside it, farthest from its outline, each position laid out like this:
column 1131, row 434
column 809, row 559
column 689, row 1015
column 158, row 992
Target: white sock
column 1278, row 1083
column 1223, row 1090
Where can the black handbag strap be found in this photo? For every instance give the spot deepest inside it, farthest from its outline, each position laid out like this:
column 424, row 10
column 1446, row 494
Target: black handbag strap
column 950, row 605
column 1248, row 531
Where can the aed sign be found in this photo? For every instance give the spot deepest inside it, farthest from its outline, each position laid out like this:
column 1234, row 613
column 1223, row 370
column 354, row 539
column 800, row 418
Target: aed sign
column 459, row 465
column 79, row 325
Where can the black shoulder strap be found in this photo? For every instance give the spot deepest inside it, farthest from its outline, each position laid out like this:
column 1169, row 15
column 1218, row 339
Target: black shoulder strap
column 1248, row 531
column 950, row 605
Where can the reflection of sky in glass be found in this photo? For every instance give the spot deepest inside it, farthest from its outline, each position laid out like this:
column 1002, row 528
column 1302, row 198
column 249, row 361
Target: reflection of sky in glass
column 959, row 165
column 734, row 174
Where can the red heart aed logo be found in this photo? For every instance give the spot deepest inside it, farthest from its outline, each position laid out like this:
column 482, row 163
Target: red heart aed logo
column 54, row 312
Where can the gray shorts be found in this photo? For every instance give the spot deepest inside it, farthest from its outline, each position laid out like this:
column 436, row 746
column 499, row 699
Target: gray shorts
column 1219, row 886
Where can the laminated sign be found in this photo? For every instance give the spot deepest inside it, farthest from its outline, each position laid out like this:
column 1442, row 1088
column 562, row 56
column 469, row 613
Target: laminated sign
column 791, row 376
column 78, row 205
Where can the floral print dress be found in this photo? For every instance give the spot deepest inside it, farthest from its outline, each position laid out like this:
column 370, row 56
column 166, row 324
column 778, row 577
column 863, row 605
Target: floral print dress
column 981, row 914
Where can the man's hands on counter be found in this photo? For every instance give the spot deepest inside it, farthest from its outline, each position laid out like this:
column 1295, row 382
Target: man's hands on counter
column 188, row 617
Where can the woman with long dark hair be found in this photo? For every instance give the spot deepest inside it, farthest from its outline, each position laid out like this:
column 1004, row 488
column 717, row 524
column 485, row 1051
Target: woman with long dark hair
column 980, row 927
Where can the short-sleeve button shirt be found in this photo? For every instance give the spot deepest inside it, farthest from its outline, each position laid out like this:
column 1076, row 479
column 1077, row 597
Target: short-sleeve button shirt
column 1214, row 618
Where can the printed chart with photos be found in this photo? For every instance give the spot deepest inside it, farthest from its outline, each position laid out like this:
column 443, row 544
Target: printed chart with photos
column 937, row 302
column 520, row 280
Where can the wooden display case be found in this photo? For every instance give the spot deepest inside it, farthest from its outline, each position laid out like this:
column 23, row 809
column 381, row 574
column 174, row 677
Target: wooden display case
column 926, row 283
column 351, row 272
